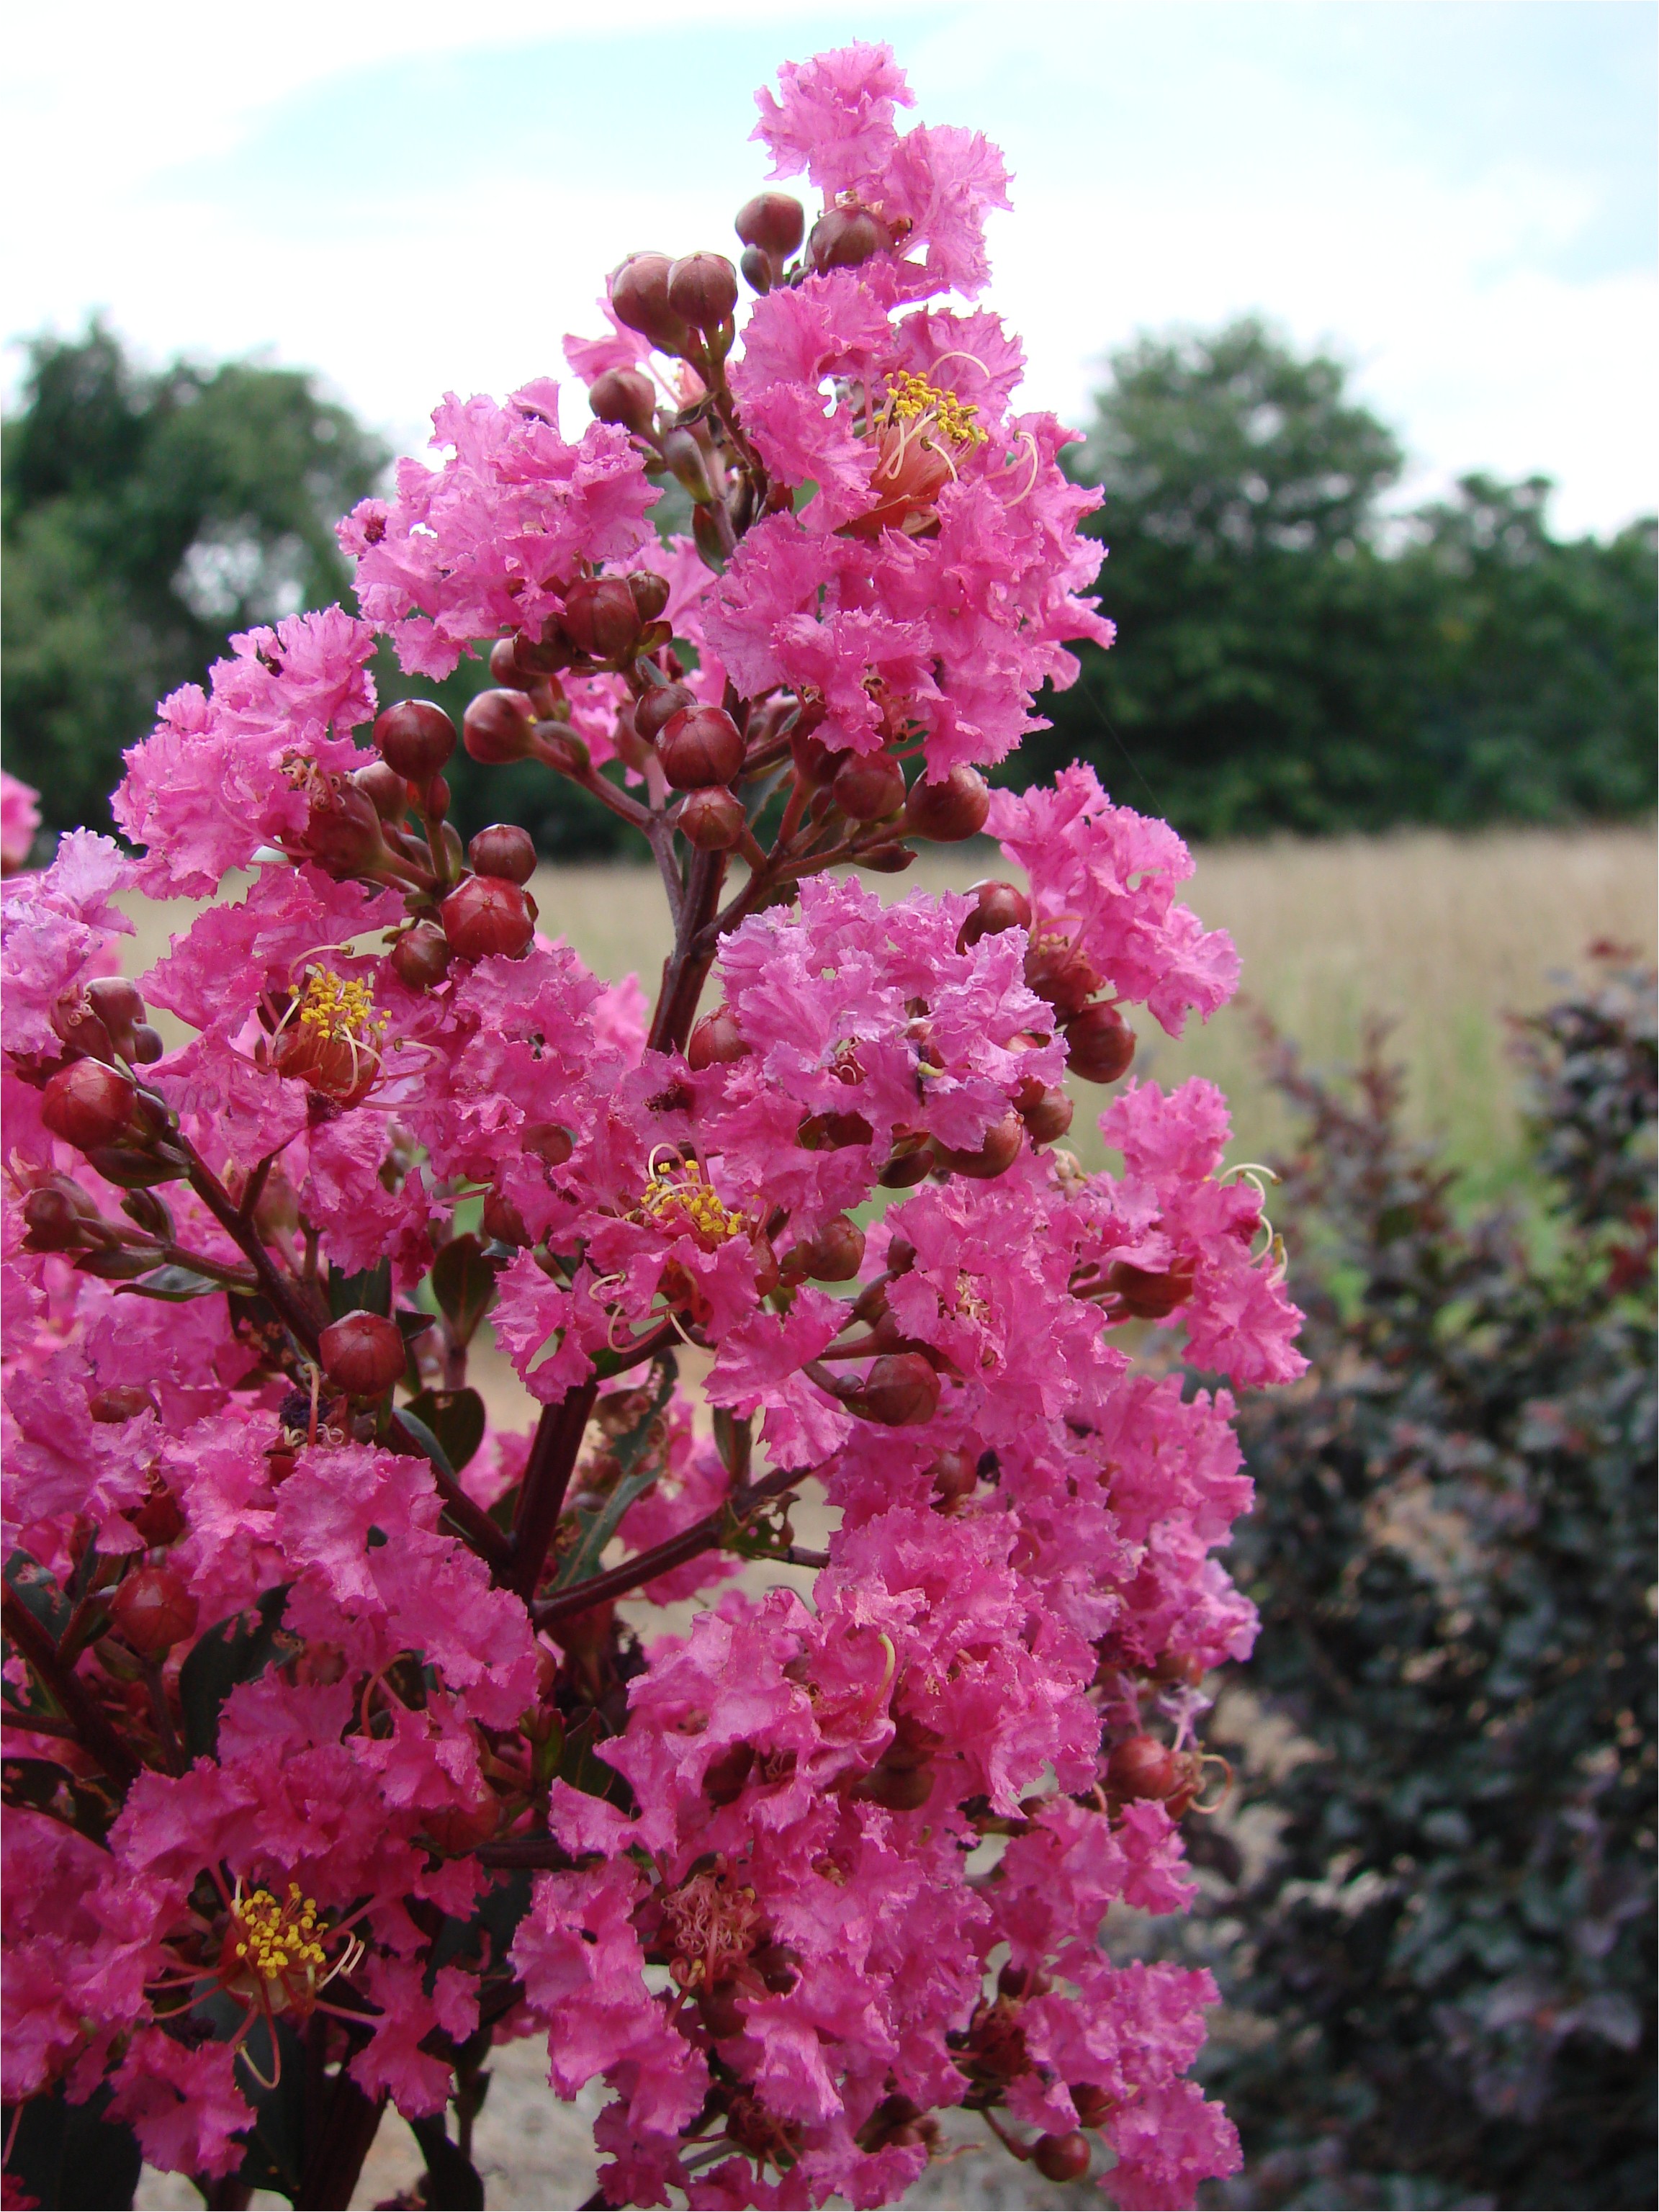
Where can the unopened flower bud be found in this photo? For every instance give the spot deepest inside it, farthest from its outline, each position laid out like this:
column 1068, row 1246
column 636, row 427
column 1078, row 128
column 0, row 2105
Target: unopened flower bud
column 421, row 957
column 887, row 859
column 1099, row 1044
column 869, row 786
column 551, row 1143
column 1146, row 1294
column 897, row 1789
column 774, row 221
column 343, row 829
column 58, row 1216
column 700, row 746
column 160, row 1518
column 1062, row 2158
column 906, row 1165
column 416, row 738
column 153, row 1610
column 388, row 792
column 999, row 906
column 146, row 1045
column 503, row 850
column 949, row 811
column 117, row 1004
column 454, row 1830
column 1045, row 1109
column 626, row 397
column 833, row 1255
column 900, row 1391
column 363, row 1355
column 487, row 914
column 601, row 618
column 955, row 1477
column 997, row 1151
column 498, row 727
column 503, row 1221
column 814, row 764
column 702, row 289
column 1141, row 1766
column 88, row 1104
column 1060, row 971
column 757, row 269
column 1095, row 2107
column 844, row 237
column 659, row 707
column 713, row 820
column 639, row 298
column 725, row 1776
column 690, row 464
column 717, row 1039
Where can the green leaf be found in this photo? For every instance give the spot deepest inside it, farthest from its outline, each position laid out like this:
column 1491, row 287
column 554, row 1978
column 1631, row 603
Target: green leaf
column 580, row 1766
column 234, row 1650
column 49, row 1788
column 175, row 1284
column 598, row 1529
column 368, row 1291
column 422, row 1436
column 37, row 1588
column 70, row 2158
column 452, row 2178
column 464, row 1285
column 455, row 1418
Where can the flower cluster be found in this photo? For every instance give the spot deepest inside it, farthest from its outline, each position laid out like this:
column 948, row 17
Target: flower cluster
column 338, row 1743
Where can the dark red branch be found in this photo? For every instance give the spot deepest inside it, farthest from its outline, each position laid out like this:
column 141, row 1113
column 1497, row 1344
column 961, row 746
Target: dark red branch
column 546, row 1477
column 92, row 1726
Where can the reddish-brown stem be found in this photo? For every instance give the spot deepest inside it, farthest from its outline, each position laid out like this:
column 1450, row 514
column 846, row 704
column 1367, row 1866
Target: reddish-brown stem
column 171, row 1750
column 702, row 1535
column 92, row 1726
column 686, row 968
column 296, row 1318
column 546, row 1477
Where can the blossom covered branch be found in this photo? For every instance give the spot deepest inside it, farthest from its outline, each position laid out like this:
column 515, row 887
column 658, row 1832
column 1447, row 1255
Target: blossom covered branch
column 330, row 1754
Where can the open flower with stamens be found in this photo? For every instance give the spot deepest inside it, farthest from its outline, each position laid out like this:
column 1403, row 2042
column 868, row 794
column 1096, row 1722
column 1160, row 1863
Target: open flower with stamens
column 329, row 1035
column 922, row 434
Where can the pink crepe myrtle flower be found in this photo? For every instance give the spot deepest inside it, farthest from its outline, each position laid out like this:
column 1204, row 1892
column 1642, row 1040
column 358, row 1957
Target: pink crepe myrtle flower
column 349, row 1730
column 20, row 818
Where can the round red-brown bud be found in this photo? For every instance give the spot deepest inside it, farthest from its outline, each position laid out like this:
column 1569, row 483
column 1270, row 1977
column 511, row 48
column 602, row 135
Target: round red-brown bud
column 774, row 221
column 639, row 297
column 659, row 707
column 421, row 958
column 146, row 1045
column 499, row 726
column 887, row 859
column 1141, row 1766
column 834, row 1255
column 998, row 906
column 88, row 1104
column 487, row 914
column 651, row 593
column 955, row 1476
column 363, row 1355
column 757, row 269
column 1147, row 1295
column 600, row 616
column 702, row 289
column 116, row 1003
column 502, row 1220
column 869, row 786
column 1099, row 1044
column 160, row 1518
column 905, row 1164
column 713, row 820
column 1095, row 2107
column 454, row 1830
column 503, row 850
column 626, row 397
column 900, row 1391
column 387, row 791
column 897, row 1789
column 1045, row 1109
column 56, row 1216
column 845, row 236
column 1062, row 972
column 700, row 746
column 716, row 1038
column 416, row 738
column 996, row 1153
column 1062, row 2158
column 814, row 764
column 551, row 1143
column 725, row 1776
column 343, row 828
column 153, row 1610
column 119, row 1402
column 504, row 664
column 949, row 811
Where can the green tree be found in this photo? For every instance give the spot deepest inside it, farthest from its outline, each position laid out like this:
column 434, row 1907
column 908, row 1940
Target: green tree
column 1289, row 657
column 145, row 517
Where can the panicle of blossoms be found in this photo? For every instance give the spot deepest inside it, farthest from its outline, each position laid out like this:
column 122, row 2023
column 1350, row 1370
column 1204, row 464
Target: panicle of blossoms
column 342, row 1739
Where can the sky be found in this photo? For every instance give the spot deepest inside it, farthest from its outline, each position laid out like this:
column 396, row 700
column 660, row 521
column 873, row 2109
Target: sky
column 1456, row 195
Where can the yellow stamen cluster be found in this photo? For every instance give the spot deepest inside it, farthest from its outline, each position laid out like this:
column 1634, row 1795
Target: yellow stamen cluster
column 340, row 1008
column 278, row 1940
column 678, row 1199
column 913, row 399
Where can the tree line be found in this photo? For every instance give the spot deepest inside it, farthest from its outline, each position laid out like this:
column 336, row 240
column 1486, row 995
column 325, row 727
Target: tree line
column 1293, row 653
